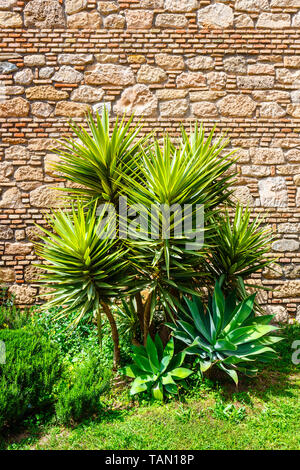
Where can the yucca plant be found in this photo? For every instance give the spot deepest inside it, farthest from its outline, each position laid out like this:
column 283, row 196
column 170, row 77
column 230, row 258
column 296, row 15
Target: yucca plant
column 195, row 174
column 98, row 158
column 127, row 319
column 156, row 369
column 83, row 265
column 226, row 334
column 239, row 247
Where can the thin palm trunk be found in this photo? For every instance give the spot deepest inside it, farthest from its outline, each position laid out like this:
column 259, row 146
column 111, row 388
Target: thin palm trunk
column 115, row 334
column 147, row 313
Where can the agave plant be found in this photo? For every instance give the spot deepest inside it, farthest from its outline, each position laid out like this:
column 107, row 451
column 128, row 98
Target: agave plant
column 97, row 159
column 239, row 247
column 84, row 266
column 226, row 334
column 156, row 369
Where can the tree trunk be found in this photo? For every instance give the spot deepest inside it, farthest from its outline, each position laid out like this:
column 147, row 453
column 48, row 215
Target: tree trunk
column 140, row 311
column 115, row 335
column 147, row 308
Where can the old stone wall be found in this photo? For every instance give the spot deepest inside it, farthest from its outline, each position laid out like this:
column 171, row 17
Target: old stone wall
column 236, row 63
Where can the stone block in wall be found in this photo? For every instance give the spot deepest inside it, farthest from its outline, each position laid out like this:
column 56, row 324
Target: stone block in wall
column 71, row 109
column 204, row 108
column 273, row 271
column 255, row 82
column 149, row 74
column 109, row 74
column 44, row 14
column 273, row 192
column 75, row 59
column 139, row 19
column 9, row 19
column 176, row 108
column 87, row 94
column 18, row 248
column 171, row 20
column 16, row 107
column 45, row 92
column 252, row 5
column 271, row 110
column 292, row 271
column 235, row 64
column 46, row 196
column 169, row 61
column 108, row 7
column 24, row 77
column 114, row 21
column 269, row 156
column 137, row 99
column 11, row 199
column 34, row 60
column 74, row 6
column 7, row 275
column 274, row 20
column 23, row 295
column 236, row 105
column 6, row 232
column 181, row 6
column 41, row 109
column 217, row 15
column 67, row 74
column 243, row 21
column 85, row 20
column 200, row 62
column 279, row 311
column 190, row 80
column 285, row 244
column 288, row 289
column 7, row 4
column 29, row 173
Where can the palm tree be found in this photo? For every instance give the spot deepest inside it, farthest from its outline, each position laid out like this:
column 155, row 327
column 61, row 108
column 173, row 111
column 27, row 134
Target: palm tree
column 84, row 266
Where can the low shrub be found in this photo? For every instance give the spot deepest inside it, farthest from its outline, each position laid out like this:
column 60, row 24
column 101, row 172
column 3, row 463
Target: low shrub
column 32, row 367
column 13, row 318
column 79, row 397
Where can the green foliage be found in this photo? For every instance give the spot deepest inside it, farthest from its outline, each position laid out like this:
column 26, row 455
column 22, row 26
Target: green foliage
column 227, row 334
column 156, row 369
column 74, row 343
column 12, row 317
column 196, row 172
column 84, row 266
column 228, row 411
column 28, row 376
column 239, row 247
column 98, row 159
column 79, row 397
column 127, row 319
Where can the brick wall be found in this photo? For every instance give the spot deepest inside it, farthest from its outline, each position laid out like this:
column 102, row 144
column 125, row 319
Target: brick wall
column 236, row 63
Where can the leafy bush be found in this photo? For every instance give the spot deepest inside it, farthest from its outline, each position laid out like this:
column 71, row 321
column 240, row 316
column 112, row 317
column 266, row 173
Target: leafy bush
column 27, row 378
column 13, row 318
column 227, row 334
column 80, row 397
column 239, row 248
column 156, row 369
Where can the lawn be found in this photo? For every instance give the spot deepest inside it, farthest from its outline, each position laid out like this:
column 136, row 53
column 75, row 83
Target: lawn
column 263, row 413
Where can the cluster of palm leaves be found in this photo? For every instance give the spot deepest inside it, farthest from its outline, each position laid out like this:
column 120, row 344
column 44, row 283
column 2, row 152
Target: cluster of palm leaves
column 90, row 271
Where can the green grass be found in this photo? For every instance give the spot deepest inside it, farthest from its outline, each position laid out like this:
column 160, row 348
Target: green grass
column 264, row 413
